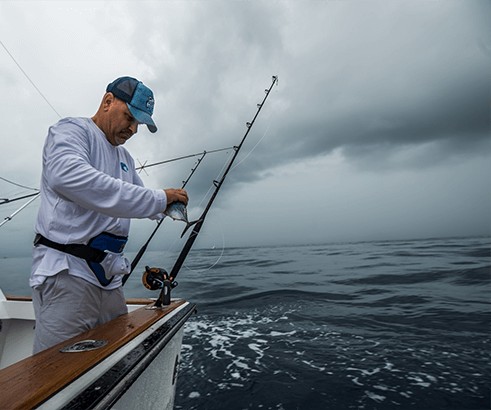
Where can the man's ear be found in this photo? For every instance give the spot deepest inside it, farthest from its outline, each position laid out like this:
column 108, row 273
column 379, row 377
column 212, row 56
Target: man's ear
column 107, row 101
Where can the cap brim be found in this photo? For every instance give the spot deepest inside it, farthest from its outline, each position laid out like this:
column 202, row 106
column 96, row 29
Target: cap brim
column 143, row 118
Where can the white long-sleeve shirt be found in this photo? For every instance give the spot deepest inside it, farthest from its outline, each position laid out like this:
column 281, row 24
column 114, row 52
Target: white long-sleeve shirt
column 88, row 186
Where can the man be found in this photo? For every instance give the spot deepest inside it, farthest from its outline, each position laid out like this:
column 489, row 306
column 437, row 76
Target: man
column 89, row 192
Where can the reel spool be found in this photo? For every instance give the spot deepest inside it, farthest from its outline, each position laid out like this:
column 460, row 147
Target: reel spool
column 153, row 278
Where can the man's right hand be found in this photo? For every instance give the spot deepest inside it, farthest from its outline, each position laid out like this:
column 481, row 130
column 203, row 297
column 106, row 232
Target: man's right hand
column 176, row 195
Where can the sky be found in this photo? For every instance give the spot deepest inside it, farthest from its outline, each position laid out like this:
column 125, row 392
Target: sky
column 378, row 128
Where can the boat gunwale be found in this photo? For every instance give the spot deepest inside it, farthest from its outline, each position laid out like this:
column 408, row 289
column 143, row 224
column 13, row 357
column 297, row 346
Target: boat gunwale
column 129, row 301
column 121, row 375
column 29, row 375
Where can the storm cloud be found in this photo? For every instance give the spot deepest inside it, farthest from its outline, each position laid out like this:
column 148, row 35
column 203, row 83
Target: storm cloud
column 374, row 99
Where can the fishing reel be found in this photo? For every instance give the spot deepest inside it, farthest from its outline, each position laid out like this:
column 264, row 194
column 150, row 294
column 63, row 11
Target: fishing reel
column 156, row 278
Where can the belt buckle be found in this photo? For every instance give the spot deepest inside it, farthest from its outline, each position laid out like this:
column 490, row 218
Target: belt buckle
column 37, row 239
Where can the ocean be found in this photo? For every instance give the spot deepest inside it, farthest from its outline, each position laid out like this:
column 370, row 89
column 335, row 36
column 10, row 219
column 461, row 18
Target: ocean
column 369, row 325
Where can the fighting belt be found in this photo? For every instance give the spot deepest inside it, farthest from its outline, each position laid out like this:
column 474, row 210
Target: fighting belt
column 103, row 254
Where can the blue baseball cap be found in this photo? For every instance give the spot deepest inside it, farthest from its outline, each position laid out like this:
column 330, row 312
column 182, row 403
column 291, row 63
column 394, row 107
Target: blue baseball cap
column 138, row 98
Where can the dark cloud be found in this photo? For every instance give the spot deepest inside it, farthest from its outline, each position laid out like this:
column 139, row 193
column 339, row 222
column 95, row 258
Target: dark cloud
column 430, row 86
column 391, row 87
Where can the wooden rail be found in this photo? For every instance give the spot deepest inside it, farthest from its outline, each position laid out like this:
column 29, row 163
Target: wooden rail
column 29, row 382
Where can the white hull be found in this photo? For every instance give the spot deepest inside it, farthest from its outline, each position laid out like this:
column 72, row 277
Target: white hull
column 16, row 330
column 136, row 368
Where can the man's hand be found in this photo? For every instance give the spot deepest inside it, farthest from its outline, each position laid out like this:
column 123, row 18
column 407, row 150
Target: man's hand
column 176, row 195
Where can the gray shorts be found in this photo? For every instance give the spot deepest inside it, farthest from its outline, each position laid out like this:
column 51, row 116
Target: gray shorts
column 66, row 306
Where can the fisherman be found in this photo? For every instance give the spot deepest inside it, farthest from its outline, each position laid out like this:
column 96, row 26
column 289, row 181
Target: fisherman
column 89, row 193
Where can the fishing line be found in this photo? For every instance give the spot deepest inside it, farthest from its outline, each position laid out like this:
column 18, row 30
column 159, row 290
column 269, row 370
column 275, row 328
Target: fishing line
column 221, row 228
column 182, row 157
column 213, row 264
column 203, row 198
column 253, row 148
column 32, row 82
column 211, row 186
column 7, row 200
column 19, row 185
column 168, row 280
column 9, row 218
column 143, row 249
column 4, row 201
column 260, row 140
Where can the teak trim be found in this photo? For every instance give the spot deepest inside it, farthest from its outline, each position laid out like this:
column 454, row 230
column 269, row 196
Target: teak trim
column 29, row 382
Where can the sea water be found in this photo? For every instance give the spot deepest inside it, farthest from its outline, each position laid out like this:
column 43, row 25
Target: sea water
column 372, row 325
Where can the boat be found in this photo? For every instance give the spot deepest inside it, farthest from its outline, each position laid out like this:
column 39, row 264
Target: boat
column 130, row 362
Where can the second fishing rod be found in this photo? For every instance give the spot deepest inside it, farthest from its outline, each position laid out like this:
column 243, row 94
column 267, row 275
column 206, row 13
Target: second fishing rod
column 167, row 281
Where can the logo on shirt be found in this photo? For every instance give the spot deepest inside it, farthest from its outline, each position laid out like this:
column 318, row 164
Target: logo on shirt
column 124, row 167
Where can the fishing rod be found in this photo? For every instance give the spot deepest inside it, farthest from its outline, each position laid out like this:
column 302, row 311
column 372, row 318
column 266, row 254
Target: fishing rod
column 9, row 218
column 168, row 281
column 8, row 200
column 143, row 249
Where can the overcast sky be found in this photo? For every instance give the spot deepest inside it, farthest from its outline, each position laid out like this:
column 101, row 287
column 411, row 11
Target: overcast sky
column 379, row 127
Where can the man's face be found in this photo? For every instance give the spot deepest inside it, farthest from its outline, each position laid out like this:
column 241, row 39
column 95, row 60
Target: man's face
column 121, row 124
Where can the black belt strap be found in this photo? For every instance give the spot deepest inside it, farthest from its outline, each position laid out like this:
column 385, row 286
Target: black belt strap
column 75, row 249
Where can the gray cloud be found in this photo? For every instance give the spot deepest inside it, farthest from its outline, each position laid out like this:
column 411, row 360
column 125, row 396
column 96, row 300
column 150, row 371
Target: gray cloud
column 401, row 87
column 388, row 87
column 374, row 84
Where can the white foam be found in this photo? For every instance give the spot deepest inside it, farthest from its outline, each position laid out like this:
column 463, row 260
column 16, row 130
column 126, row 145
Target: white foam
column 313, row 366
column 376, row 397
column 355, row 380
column 275, row 333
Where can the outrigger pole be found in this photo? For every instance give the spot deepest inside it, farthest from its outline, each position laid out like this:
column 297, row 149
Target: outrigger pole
column 169, row 280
